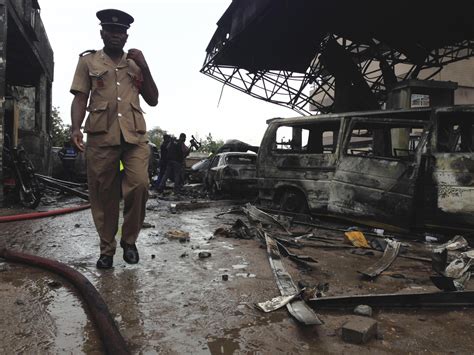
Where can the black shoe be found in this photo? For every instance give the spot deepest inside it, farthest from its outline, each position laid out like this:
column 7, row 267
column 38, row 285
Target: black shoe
column 105, row 262
column 130, row 253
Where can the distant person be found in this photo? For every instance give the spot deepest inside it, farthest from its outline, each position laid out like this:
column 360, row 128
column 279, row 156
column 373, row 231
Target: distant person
column 163, row 159
column 116, row 132
column 177, row 151
column 68, row 156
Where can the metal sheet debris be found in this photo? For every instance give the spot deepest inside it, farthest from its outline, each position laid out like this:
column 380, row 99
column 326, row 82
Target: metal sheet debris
column 398, row 300
column 389, row 255
column 298, row 309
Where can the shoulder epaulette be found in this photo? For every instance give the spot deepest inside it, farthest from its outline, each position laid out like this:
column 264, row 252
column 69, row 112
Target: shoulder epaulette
column 89, row 51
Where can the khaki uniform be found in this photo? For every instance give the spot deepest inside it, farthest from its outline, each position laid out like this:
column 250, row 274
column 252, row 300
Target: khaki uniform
column 116, row 130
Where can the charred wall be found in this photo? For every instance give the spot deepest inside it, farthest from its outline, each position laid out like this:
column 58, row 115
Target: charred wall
column 26, row 76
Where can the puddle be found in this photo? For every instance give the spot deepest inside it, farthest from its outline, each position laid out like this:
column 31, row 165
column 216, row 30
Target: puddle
column 225, row 345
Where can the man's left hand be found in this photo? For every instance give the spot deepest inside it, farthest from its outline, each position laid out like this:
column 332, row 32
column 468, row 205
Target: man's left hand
column 137, row 56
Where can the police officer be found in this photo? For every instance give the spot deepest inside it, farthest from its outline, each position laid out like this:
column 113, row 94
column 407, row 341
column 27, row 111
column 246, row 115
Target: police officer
column 107, row 83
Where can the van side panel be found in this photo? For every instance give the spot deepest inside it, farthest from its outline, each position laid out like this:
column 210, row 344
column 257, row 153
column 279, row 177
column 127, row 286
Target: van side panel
column 453, row 177
column 373, row 190
column 311, row 175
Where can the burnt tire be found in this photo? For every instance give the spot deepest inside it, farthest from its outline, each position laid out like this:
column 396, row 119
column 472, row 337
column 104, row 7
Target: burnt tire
column 293, row 201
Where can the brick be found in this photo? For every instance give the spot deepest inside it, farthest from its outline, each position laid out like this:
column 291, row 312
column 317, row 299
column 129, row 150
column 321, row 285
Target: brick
column 359, row 330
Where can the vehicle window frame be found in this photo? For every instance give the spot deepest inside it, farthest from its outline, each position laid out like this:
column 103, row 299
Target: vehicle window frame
column 391, row 123
column 457, row 144
column 336, row 136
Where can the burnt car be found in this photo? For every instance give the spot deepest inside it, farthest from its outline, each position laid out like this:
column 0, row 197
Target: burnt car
column 231, row 173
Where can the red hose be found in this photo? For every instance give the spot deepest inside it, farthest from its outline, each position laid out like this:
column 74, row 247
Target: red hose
column 25, row 216
column 108, row 330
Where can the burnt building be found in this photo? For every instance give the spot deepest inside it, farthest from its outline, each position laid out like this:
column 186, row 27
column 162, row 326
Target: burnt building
column 26, row 76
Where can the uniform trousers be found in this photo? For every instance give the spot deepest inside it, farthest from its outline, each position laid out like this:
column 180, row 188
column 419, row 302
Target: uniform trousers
column 107, row 184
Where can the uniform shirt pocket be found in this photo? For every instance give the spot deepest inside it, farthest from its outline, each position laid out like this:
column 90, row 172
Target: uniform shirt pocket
column 97, row 78
column 139, row 120
column 97, row 120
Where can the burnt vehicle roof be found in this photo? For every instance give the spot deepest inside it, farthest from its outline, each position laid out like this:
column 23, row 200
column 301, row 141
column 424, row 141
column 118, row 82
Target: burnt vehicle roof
column 239, row 153
column 414, row 113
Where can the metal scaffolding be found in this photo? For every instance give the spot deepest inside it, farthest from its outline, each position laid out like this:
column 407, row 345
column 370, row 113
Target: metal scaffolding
column 314, row 90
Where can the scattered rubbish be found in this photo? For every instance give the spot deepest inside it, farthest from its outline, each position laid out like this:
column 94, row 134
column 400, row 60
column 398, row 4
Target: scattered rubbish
column 235, row 210
column 379, row 231
column 285, row 252
column 457, row 243
column 363, row 310
column 454, row 276
column 204, row 255
column 255, row 214
column 276, row 303
column 309, row 292
column 457, row 268
column 292, row 243
column 179, row 235
column 357, row 239
column 239, row 230
column 431, row 239
column 185, row 254
column 153, row 256
column 173, row 208
column 389, row 255
column 468, row 254
column 359, row 330
column 439, row 260
column 378, row 244
column 225, row 277
column 147, row 225
column 77, row 225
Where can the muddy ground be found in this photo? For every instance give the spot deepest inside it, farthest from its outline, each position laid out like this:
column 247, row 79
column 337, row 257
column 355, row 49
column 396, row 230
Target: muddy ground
column 173, row 302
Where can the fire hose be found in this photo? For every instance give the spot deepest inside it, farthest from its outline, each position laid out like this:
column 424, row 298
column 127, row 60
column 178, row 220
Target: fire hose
column 26, row 216
column 109, row 333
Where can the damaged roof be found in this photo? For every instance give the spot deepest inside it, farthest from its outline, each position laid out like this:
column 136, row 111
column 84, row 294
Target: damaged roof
column 285, row 35
column 273, row 49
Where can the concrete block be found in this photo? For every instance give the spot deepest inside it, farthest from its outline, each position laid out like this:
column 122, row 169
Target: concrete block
column 359, row 330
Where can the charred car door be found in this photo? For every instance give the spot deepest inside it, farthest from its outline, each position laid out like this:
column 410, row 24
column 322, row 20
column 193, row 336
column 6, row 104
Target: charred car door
column 376, row 176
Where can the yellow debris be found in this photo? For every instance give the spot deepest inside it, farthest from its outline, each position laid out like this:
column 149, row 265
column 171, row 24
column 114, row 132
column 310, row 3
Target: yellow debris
column 357, row 239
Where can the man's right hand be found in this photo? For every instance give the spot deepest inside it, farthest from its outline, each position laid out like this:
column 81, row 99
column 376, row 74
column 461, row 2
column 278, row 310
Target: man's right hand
column 76, row 139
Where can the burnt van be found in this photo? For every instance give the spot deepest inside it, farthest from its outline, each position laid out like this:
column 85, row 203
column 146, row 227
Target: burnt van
column 400, row 169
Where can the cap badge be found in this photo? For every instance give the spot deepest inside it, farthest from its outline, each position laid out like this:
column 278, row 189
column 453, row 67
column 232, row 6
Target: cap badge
column 114, row 19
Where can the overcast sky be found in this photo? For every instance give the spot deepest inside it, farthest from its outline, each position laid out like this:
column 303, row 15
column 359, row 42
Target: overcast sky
column 173, row 35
